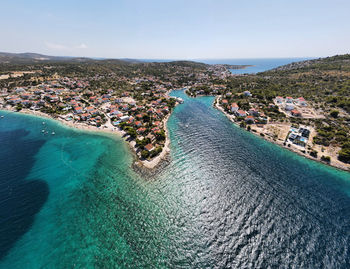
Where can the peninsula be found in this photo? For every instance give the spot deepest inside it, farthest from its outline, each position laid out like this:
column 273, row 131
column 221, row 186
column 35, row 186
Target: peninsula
column 303, row 106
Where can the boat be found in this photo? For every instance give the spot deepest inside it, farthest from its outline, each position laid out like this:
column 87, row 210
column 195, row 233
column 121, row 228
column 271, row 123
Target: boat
column 2, row 116
column 53, row 133
column 43, row 131
column 43, row 122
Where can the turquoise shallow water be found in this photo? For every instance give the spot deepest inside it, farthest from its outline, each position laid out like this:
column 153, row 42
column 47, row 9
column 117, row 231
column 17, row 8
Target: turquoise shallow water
column 226, row 199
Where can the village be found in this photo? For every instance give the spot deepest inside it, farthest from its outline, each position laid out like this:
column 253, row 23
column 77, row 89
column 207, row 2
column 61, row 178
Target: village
column 136, row 104
column 282, row 121
column 141, row 122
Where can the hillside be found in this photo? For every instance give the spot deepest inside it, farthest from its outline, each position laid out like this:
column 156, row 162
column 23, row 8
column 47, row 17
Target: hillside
column 325, row 85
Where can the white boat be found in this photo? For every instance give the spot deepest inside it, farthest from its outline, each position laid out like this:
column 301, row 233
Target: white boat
column 2, row 116
column 43, row 122
column 43, row 131
column 53, row 133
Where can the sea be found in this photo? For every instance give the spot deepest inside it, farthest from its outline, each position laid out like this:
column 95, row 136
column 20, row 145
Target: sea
column 225, row 199
column 254, row 65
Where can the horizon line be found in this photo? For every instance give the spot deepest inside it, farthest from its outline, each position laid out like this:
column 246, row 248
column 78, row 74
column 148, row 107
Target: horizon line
column 175, row 59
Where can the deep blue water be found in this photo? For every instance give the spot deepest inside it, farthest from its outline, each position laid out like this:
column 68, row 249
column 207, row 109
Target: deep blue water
column 259, row 64
column 226, row 199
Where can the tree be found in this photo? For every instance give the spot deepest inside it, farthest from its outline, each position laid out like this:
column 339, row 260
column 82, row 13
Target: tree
column 326, row 159
column 131, row 131
column 160, row 136
column 144, row 154
column 334, row 113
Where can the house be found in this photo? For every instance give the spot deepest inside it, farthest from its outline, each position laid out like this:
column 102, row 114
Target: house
column 124, row 118
column 301, row 101
column 138, row 123
column 224, row 101
column 85, row 116
column 253, row 112
column 90, row 108
column 279, row 100
column 234, row 107
column 149, row 147
column 247, row 93
column 289, row 107
column 141, row 130
column 240, row 113
column 296, row 113
column 78, row 109
column 289, row 100
column 115, row 112
column 249, row 119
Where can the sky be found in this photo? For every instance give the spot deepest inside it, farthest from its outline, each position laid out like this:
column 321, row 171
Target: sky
column 177, row 29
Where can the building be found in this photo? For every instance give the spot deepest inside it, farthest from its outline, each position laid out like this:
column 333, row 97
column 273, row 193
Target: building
column 240, row 113
column 247, row 93
column 249, row 119
column 253, row 112
column 289, row 107
column 301, row 101
column 289, row 100
column 149, row 147
column 296, row 113
column 279, row 100
column 234, row 107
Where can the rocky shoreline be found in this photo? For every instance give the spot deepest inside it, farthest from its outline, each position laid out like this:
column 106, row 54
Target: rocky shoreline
column 335, row 164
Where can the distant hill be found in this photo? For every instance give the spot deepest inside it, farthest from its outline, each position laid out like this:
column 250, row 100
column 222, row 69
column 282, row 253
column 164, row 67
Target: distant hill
column 32, row 58
column 338, row 62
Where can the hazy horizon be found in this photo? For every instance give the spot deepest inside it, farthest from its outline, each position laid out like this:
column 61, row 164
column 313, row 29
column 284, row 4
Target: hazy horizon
column 180, row 29
column 166, row 59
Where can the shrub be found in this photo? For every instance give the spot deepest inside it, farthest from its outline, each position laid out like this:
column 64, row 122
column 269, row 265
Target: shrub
column 313, row 153
column 334, row 113
column 326, row 159
column 344, row 155
column 144, row 154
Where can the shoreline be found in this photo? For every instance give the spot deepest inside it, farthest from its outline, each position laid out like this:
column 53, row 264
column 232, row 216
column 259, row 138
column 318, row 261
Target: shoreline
column 279, row 143
column 148, row 164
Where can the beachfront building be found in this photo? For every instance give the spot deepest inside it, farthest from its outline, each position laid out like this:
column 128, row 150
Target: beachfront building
column 249, row 119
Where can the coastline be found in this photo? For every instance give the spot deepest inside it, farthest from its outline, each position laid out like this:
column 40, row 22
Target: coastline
column 148, row 164
column 333, row 164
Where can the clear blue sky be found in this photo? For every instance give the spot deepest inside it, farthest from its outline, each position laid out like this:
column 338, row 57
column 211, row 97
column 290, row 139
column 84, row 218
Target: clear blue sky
column 177, row 29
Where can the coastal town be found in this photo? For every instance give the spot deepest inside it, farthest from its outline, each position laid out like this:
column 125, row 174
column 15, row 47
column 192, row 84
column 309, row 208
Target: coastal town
column 141, row 122
column 286, row 121
column 133, row 100
column 138, row 110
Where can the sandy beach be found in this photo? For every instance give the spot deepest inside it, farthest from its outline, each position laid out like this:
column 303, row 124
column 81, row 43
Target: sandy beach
column 108, row 128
